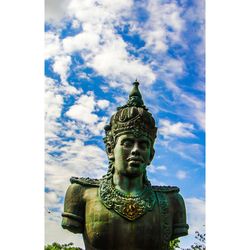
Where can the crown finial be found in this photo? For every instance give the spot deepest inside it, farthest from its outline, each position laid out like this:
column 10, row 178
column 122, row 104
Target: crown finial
column 135, row 97
column 135, row 91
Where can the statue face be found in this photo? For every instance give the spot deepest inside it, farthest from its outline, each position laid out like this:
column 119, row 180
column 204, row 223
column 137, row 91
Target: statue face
column 132, row 155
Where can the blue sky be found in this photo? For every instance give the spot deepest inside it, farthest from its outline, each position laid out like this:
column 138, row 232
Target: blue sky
column 94, row 50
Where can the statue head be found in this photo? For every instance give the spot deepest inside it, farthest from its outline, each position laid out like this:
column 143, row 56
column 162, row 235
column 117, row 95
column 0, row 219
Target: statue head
column 130, row 134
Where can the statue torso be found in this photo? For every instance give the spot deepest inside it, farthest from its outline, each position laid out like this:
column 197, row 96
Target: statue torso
column 106, row 229
column 110, row 222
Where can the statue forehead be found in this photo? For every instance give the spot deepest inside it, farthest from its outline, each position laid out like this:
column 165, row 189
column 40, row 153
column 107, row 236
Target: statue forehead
column 137, row 137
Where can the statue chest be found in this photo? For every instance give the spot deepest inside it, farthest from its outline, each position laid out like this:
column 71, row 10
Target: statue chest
column 106, row 229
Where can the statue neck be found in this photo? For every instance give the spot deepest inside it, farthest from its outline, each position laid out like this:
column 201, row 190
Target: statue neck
column 128, row 185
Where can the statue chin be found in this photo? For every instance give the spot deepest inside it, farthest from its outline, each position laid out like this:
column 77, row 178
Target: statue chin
column 131, row 173
column 133, row 170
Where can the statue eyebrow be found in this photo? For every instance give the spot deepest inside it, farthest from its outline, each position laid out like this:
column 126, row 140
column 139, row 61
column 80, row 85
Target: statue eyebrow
column 133, row 139
column 124, row 139
column 144, row 141
column 127, row 139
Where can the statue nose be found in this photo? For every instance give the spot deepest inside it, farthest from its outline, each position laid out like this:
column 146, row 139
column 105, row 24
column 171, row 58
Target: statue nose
column 135, row 151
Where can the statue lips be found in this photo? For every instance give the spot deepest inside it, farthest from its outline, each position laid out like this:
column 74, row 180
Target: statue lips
column 134, row 161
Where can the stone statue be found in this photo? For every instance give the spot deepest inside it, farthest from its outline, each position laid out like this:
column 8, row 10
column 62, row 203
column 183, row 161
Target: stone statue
column 122, row 211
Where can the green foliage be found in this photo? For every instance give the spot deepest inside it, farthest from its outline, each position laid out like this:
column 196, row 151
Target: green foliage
column 174, row 244
column 201, row 244
column 57, row 246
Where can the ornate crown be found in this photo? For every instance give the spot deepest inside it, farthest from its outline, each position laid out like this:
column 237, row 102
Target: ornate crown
column 133, row 117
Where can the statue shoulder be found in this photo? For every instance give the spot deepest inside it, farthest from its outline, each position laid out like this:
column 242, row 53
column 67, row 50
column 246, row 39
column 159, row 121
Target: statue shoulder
column 170, row 195
column 166, row 189
column 172, row 192
column 86, row 182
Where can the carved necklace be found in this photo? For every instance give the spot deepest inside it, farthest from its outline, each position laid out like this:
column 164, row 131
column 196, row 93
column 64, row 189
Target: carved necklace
column 129, row 207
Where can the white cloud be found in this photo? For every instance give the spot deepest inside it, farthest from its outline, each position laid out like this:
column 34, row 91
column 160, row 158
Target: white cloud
column 55, row 233
column 179, row 129
column 190, row 151
column 195, row 214
column 53, row 108
column 163, row 27
column 62, row 61
column 174, row 67
column 196, row 220
column 115, row 63
column 117, row 6
column 181, row 174
column 161, row 168
column 193, row 152
column 97, row 12
column 198, row 108
column 87, row 40
column 83, row 75
column 83, row 110
column 76, row 159
column 194, row 107
column 53, row 45
column 85, row 160
column 55, row 10
column 158, row 169
column 102, row 48
column 199, row 115
column 196, row 13
column 157, row 182
column 70, row 90
column 53, row 104
column 103, row 104
column 51, row 199
column 121, row 99
column 75, row 24
column 61, row 66
column 75, row 129
column 100, row 126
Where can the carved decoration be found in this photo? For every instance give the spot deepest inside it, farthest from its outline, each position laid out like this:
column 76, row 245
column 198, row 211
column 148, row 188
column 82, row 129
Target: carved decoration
column 129, row 207
column 165, row 224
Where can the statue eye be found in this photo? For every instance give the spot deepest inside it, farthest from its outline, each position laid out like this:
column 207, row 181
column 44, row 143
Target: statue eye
column 127, row 143
column 144, row 145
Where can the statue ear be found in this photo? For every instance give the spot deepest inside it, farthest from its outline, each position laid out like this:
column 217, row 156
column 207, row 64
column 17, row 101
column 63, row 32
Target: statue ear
column 110, row 152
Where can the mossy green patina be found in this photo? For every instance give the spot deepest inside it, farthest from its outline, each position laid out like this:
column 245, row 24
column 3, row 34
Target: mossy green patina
column 122, row 210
